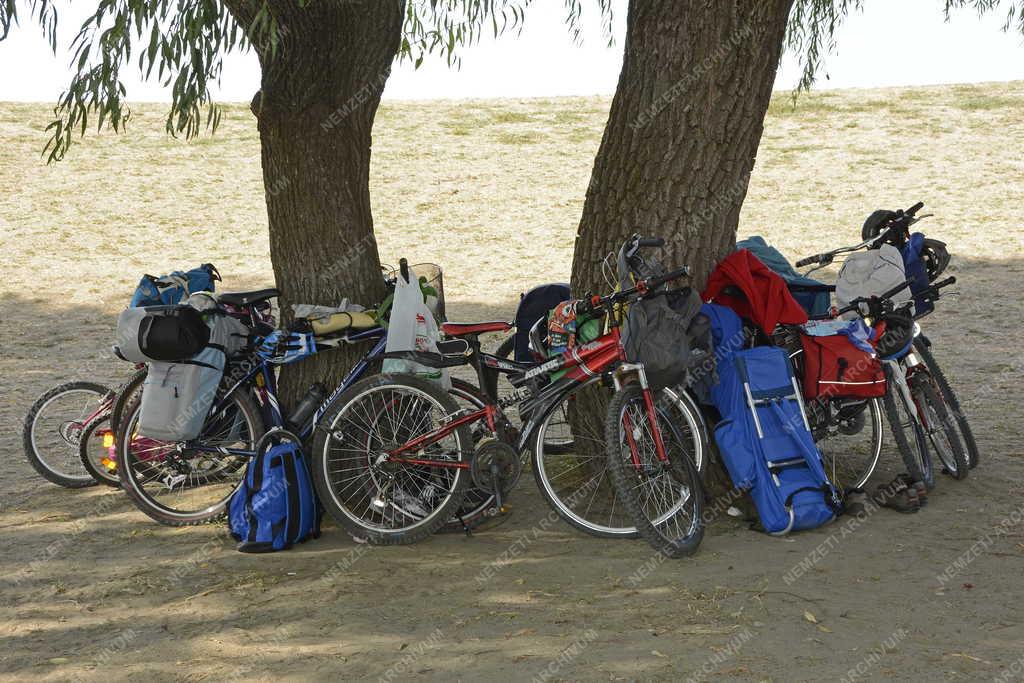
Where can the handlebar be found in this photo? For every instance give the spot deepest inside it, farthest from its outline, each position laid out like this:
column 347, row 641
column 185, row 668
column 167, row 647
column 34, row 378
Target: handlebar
column 876, row 305
column 822, row 259
column 642, row 289
column 655, row 242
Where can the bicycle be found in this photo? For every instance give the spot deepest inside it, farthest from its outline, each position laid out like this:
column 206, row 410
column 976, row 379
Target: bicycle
column 941, row 416
column 179, row 484
column 395, row 455
column 916, row 413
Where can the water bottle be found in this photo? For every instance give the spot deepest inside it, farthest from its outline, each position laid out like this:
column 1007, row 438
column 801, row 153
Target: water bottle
column 307, row 406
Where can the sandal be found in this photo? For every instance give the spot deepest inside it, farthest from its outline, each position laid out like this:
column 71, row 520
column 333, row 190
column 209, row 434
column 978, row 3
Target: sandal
column 898, row 496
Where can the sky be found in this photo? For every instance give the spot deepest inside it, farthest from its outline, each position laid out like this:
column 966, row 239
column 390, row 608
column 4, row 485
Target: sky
column 890, row 43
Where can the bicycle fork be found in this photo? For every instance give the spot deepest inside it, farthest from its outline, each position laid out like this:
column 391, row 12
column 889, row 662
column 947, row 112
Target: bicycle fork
column 652, row 415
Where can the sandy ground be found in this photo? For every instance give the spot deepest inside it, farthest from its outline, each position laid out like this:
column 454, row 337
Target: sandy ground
column 92, row 590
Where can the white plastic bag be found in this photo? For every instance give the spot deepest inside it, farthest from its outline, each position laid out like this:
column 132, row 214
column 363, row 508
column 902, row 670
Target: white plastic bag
column 412, row 328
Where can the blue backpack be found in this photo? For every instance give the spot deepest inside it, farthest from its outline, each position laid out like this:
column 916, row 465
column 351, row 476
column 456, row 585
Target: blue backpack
column 276, row 506
column 172, row 288
column 763, row 436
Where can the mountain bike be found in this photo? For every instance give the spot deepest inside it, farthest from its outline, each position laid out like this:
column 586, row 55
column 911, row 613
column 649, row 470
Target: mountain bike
column 946, row 426
column 916, row 412
column 395, row 454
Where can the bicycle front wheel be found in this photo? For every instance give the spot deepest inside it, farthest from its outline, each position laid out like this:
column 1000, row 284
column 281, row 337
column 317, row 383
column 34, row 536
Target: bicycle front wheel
column 908, row 434
column 938, row 425
column 665, row 498
column 391, row 500
column 53, row 430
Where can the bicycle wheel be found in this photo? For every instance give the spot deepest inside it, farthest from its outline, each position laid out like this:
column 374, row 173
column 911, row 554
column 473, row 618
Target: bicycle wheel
column 849, row 438
column 666, row 499
column 574, row 480
column 97, row 451
column 53, row 428
column 923, row 349
column 908, row 434
column 943, row 438
column 178, row 484
column 126, row 393
column 379, row 499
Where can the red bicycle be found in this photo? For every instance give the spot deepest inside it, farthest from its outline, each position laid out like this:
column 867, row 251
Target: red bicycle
column 394, row 456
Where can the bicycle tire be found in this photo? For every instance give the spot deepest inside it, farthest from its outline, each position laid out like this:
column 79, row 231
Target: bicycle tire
column 955, row 460
column 70, row 480
column 162, row 513
column 366, row 486
column 658, row 532
column 125, row 393
column 946, row 391
column 100, row 474
column 913, row 448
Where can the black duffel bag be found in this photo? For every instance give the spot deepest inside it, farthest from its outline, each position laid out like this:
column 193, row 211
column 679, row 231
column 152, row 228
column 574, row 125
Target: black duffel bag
column 161, row 333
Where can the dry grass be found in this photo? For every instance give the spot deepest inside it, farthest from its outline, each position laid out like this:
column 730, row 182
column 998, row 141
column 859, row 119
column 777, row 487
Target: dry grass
column 493, row 190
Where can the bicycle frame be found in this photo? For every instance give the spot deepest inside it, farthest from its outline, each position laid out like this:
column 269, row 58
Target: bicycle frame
column 581, row 363
column 259, row 374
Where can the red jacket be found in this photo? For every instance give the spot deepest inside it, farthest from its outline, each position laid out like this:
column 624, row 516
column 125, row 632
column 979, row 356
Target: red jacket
column 765, row 300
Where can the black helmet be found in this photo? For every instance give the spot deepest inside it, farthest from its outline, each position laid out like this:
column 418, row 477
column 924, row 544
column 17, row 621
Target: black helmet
column 898, row 334
column 935, row 258
column 875, row 223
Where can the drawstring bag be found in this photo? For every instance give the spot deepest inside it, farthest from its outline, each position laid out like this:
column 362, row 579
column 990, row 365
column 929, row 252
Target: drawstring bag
column 871, row 273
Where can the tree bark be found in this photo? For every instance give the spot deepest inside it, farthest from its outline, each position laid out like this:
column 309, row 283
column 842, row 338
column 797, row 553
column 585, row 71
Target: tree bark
column 683, row 131
column 320, row 91
column 682, row 136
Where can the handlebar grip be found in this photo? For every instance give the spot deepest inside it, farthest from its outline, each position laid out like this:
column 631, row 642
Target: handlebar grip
column 915, row 208
column 403, row 267
column 651, row 242
column 944, row 283
column 656, row 282
column 806, row 261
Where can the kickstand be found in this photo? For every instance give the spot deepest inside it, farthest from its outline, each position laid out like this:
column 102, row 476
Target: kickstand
column 465, row 527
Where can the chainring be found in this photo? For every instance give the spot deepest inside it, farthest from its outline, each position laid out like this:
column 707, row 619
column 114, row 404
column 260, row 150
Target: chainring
column 506, row 466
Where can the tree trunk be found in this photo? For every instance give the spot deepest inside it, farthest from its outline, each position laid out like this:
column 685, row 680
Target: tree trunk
column 319, row 94
column 682, row 136
column 683, row 131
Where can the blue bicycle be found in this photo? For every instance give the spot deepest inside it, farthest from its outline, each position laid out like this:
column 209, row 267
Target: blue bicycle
column 190, row 482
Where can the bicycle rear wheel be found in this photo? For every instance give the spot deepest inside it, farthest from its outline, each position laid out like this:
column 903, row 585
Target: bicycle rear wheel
column 375, row 497
column 923, row 349
column 53, row 428
column 178, row 484
column 666, row 499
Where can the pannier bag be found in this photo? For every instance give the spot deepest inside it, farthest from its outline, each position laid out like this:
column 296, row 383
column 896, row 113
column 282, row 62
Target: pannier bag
column 764, row 438
column 276, row 505
column 174, row 287
column 176, row 397
column 658, row 333
column 835, row 368
column 187, row 350
column 871, row 273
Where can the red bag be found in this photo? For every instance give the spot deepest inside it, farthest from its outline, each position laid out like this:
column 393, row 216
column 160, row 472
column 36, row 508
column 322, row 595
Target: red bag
column 835, row 368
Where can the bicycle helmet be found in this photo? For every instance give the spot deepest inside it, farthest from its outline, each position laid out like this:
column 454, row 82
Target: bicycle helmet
column 935, row 257
column 895, row 335
column 875, row 223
